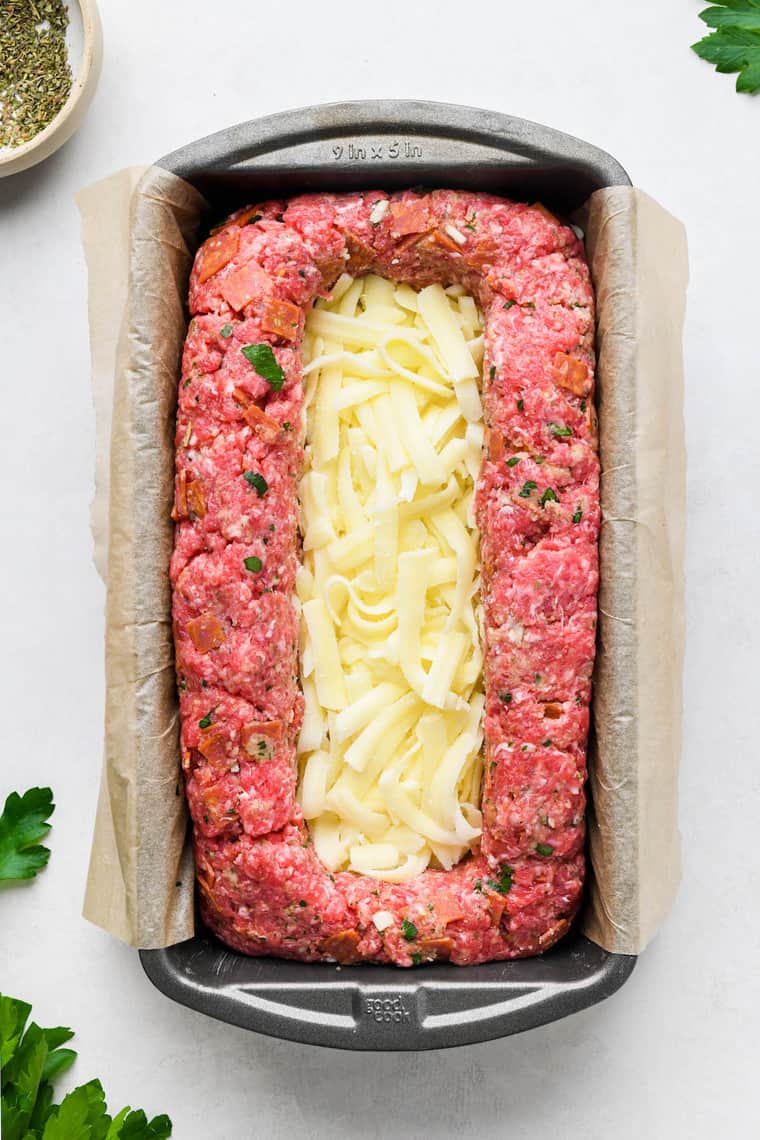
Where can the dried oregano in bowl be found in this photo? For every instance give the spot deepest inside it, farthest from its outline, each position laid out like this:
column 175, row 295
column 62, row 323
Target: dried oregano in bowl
column 35, row 72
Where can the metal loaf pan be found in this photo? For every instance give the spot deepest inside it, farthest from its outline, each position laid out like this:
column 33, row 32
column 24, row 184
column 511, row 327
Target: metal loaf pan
column 389, row 144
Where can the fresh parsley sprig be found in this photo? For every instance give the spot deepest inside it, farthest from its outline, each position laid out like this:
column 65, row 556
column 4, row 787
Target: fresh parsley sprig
column 30, row 1060
column 734, row 43
column 22, row 825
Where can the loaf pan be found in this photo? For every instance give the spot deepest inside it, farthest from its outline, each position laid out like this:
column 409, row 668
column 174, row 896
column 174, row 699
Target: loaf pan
column 390, row 145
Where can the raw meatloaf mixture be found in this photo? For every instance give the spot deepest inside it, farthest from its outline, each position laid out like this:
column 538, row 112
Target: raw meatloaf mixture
column 239, row 454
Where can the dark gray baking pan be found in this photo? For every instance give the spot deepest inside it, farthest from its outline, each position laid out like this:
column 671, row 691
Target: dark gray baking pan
column 389, row 144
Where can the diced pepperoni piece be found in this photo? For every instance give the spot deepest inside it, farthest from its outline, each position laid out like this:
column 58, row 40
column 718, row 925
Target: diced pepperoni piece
column 196, row 500
column 410, row 217
column 433, row 948
column 540, row 208
column 360, row 255
column 242, row 219
column 180, row 496
column 281, row 318
column 438, row 237
column 261, row 423
column 244, row 284
column 571, row 373
column 259, row 738
column 206, row 632
column 213, row 743
column 495, row 446
column 342, row 947
column 448, row 910
column 217, row 252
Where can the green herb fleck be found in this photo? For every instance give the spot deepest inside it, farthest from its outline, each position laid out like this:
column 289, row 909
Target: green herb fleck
column 527, row 487
column 578, row 515
column 544, row 849
column 509, row 304
column 492, row 372
column 546, row 743
column 263, row 360
column 253, row 564
column 503, row 884
column 257, row 481
column 549, row 496
column 505, row 698
column 470, row 226
column 302, row 902
column 409, row 930
column 208, row 719
column 253, row 219
column 521, row 405
column 559, row 430
column 583, row 405
column 478, row 886
column 529, row 304
column 287, row 426
column 416, row 958
column 225, row 331
column 513, row 461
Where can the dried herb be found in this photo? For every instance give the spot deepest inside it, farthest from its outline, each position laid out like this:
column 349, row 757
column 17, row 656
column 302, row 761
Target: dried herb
column 35, row 74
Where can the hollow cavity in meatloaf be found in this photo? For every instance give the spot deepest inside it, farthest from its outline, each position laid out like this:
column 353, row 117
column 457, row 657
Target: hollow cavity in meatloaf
column 239, row 456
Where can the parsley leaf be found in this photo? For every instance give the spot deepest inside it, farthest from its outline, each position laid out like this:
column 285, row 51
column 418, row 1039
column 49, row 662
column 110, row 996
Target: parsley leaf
column 544, row 849
column 503, row 884
column 734, row 44
column 528, row 486
column 263, row 360
column 256, row 480
column 253, row 564
column 22, row 826
column 31, row 1058
column 409, row 930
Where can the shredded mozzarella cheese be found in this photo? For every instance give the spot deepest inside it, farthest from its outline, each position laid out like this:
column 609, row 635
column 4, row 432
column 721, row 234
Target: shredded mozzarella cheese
column 391, row 661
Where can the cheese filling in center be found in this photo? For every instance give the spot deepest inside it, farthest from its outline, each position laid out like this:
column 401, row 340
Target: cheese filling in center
column 391, row 659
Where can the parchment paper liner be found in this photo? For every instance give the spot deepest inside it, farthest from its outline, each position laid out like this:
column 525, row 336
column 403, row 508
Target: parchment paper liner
column 139, row 232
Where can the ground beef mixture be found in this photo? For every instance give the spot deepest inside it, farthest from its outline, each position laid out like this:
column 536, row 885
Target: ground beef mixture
column 239, row 446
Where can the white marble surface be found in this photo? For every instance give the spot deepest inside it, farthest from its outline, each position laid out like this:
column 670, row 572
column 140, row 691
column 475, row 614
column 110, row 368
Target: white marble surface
column 671, row 1054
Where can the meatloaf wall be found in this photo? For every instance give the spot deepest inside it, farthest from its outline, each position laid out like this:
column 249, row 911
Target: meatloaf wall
column 262, row 888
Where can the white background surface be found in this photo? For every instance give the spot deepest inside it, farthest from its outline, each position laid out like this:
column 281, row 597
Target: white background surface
column 670, row 1054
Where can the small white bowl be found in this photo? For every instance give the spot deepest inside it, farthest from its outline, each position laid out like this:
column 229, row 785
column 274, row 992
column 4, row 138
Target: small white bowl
column 85, row 34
